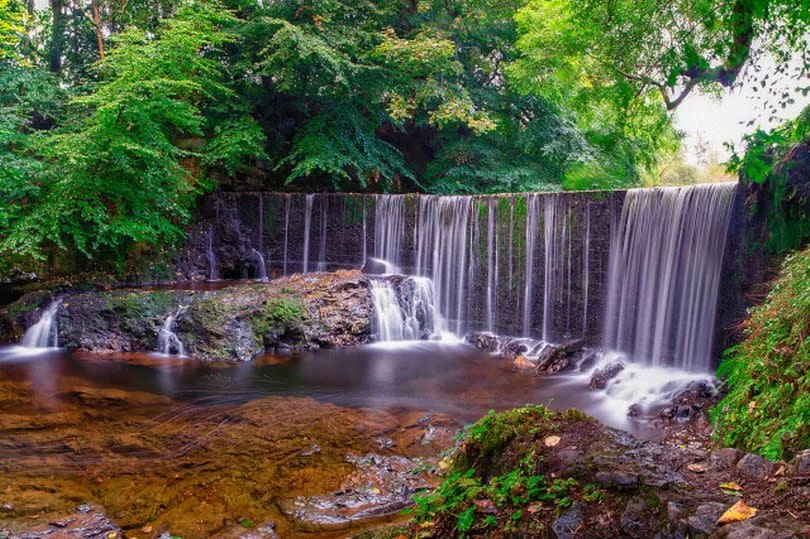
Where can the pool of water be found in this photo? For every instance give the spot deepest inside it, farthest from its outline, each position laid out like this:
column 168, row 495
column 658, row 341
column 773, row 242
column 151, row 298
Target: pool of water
column 144, row 434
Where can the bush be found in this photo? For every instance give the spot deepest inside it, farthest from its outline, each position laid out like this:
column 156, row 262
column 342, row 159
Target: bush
column 767, row 408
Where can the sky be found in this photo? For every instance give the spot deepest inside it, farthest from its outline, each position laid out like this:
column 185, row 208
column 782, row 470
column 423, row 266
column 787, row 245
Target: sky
column 724, row 120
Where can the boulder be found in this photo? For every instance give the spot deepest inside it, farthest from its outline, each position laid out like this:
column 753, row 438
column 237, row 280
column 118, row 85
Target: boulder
column 724, row 459
column 567, row 524
column 800, row 465
column 704, row 521
column 602, row 376
column 755, row 467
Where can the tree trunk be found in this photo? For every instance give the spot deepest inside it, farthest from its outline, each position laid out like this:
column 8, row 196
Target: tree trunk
column 97, row 24
column 57, row 44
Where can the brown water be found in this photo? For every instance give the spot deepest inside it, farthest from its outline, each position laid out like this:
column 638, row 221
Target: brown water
column 193, row 448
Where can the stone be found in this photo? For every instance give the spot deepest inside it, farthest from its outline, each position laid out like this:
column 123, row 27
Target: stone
column 634, row 410
column 311, row 450
column 633, row 519
column 602, row 376
column 567, row 524
column 485, row 342
column 84, row 508
column 385, row 443
column 618, row 479
column 800, row 465
column 514, row 349
column 674, row 511
column 755, row 467
column 703, row 522
column 724, row 459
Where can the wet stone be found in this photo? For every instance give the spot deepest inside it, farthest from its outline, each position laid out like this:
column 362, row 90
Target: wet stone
column 602, row 376
column 724, row 459
column 755, row 467
column 566, row 526
column 704, row 520
column 674, row 511
column 800, row 465
column 633, row 517
column 618, row 479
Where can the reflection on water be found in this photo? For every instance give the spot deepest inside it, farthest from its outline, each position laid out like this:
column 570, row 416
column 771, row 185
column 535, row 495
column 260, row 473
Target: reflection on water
column 436, row 377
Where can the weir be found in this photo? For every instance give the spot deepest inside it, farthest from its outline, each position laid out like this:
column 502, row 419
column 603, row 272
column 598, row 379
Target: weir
column 634, row 271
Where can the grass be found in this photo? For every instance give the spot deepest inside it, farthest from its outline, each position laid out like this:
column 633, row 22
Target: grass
column 767, row 408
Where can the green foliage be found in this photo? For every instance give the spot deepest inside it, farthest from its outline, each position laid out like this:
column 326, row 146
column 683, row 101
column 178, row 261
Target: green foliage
column 767, row 408
column 113, row 177
column 11, row 27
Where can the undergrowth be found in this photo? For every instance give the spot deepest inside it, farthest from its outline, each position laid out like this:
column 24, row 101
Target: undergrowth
column 472, row 500
column 767, row 408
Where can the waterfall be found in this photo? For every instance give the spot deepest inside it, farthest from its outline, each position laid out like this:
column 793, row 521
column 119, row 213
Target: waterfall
column 307, row 225
column 665, row 261
column 286, row 229
column 209, row 253
column 389, row 227
column 405, row 309
column 492, row 264
column 446, row 233
column 44, row 333
column 322, row 247
column 261, row 269
column 586, row 270
column 532, row 209
column 365, row 236
column 168, row 341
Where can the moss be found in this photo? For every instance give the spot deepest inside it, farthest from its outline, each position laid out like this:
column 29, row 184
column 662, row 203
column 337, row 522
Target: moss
column 767, row 408
column 278, row 315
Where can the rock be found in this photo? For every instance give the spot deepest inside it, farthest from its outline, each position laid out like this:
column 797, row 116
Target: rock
column 486, row 342
column 311, row 450
column 602, row 376
column 265, row 531
column 633, row 519
column 704, row 520
column 800, row 465
column 681, row 412
column 559, row 358
column 385, row 443
column 674, row 511
column 513, row 349
column 617, row 479
column 522, row 363
column 724, row 459
column 84, row 508
column 567, row 524
column 634, row 410
column 7, row 507
column 755, row 467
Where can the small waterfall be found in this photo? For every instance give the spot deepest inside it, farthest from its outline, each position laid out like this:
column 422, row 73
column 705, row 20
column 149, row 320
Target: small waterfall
column 209, row 253
column 405, row 309
column 389, row 227
column 388, row 320
column 492, row 264
column 532, row 209
column 307, row 226
column 261, row 269
column 324, row 222
column 365, row 236
column 168, row 342
column 665, row 261
column 287, row 197
column 44, row 333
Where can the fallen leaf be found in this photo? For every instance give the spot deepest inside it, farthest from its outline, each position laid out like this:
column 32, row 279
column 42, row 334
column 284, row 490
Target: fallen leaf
column 737, row 512
column 551, row 441
column 535, row 507
column 731, row 485
column 147, row 529
column 485, row 506
column 697, row 468
column 426, row 524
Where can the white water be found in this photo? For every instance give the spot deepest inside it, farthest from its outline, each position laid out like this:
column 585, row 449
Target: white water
column 389, row 228
column 324, row 221
column 665, row 261
column 261, row 269
column 44, row 334
column 168, row 342
column 286, row 230
column 307, row 226
column 209, row 253
column 407, row 311
column 532, row 209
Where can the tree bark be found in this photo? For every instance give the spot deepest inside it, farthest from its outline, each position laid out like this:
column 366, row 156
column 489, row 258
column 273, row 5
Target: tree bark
column 97, row 24
column 57, row 44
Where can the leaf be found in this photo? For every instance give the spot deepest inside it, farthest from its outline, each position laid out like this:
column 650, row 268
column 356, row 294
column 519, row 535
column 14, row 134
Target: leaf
column 697, row 468
column 551, row 441
column 737, row 512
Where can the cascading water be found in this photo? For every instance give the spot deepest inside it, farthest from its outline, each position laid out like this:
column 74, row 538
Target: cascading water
column 261, row 269
column 389, row 228
column 665, row 260
column 307, row 226
column 405, row 309
column 209, row 254
column 287, row 197
column 532, row 209
column 44, row 334
column 324, row 222
column 167, row 341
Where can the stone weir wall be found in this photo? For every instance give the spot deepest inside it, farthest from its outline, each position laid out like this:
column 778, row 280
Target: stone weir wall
column 518, row 264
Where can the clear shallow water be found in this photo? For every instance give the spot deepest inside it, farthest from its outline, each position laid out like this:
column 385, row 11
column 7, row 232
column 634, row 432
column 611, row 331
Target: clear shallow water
column 431, row 377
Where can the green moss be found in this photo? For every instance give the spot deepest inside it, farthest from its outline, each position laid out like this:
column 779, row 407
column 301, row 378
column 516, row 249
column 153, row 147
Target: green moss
column 767, row 408
column 277, row 316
